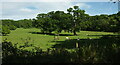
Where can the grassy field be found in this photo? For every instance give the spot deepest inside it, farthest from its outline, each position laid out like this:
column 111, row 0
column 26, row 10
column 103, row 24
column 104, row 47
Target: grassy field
column 45, row 41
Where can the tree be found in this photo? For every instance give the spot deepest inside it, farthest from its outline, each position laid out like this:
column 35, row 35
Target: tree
column 12, row 27
column 25, row 23
column 64, row 22
column 78, row 16
column 5, row 30
column 117, row 17
column 11, row 24
column 46, row 23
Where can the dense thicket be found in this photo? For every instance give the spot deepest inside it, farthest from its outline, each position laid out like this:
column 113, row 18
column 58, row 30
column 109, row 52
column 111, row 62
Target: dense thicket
column 73, row 21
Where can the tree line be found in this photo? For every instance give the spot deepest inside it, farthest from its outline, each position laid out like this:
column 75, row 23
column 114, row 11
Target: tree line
column 73, row 21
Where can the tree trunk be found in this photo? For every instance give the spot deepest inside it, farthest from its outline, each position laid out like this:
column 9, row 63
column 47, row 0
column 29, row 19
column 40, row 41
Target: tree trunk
column 74, row 31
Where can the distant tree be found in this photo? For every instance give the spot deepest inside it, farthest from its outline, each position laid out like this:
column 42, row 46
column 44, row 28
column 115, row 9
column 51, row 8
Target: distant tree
column 5, row 30
column 25, row 23
column 7, row 22
column 11, row 24
column 12, row 27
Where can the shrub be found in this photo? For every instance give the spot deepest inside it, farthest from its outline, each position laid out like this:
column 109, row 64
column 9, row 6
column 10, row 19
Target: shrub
column 12, row 27
column 5, row 30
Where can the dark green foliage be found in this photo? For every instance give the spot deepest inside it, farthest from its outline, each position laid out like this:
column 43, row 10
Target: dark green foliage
column 15, row 55
column 7, row 22
column 77, row 16
column 5, row 30
column 8, row 49
column 25, row 23
column 11, row 24
column 76, row 20
column 58, row 20
column 47, row 25
column 12, row 27
column 118, row 24
column 108, row 23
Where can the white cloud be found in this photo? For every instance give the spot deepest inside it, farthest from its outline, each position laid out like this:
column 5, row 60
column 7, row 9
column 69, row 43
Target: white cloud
column 54, row 0
column 38, row 0
column 18, row 10
column 21, row 10
column 26, row 10
column 83, row 5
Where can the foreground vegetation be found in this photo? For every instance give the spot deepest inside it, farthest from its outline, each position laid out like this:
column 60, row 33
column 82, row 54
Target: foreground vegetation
column 103, row 50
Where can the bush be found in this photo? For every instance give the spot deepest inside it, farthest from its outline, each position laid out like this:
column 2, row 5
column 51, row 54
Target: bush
column 12, row 27
column 5, row 30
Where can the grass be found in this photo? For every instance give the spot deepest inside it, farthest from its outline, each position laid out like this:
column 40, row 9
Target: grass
column 45, row 41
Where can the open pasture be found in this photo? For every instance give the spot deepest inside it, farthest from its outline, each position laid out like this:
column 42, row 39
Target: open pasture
column 44, row 41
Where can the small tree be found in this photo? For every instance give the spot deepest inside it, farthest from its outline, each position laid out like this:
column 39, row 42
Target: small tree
column 5, row 30
column 12, row 27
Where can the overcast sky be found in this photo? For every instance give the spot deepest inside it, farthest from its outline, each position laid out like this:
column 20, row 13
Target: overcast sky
column 22, row 9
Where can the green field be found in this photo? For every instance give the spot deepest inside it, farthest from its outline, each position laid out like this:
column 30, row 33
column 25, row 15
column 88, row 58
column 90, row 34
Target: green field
column 45, row 41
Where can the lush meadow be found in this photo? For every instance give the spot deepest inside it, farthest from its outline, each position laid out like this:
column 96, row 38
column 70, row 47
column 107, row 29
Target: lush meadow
column 44, row 41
